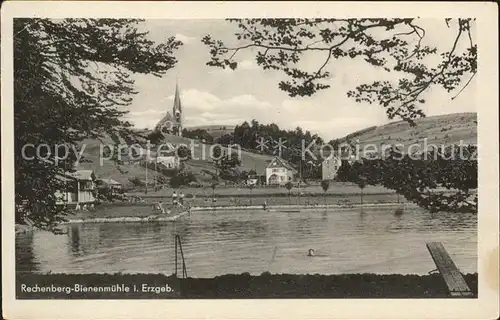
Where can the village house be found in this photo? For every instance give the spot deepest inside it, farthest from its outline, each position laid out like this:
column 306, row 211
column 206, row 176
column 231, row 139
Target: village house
column 78, row 190
column 331, row 165
column 279, row 172
column 169, row 159
column 112, row 185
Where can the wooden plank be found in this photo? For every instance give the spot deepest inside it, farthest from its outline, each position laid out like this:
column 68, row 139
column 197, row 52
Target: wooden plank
column 448, row 270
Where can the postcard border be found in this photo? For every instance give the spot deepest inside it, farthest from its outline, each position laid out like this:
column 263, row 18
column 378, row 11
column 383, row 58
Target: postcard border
column 486, row 306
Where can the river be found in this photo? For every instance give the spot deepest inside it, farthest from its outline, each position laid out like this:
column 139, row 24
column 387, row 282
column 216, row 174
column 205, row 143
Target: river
column 372, row 240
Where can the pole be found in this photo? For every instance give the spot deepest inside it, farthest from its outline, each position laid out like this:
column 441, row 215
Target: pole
column 146, row 175
column 175, row 240
column 156, row 171
column 300, row 180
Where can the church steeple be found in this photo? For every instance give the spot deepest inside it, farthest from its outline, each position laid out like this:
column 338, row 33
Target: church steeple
column 177, row 110
column 177, row 99
column 172, row 124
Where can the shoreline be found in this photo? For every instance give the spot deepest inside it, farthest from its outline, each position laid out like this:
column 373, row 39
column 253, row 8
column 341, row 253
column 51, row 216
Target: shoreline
column 151, row 218
column 241, row 286
column 172, row 218
column 272, row 208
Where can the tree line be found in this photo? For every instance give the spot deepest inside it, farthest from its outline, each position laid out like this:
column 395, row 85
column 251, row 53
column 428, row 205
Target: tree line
column 441, row 179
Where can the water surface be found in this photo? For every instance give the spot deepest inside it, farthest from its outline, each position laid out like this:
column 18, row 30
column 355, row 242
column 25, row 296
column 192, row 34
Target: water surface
column 372, row 240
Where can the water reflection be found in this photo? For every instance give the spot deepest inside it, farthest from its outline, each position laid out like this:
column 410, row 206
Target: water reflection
column 370, row 240
column 25, row 258
column 74, row 235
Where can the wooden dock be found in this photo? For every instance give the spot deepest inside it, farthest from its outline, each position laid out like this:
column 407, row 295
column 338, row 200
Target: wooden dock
column 454, row 280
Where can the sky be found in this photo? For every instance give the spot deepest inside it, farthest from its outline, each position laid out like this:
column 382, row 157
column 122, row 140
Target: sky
column 215, row 96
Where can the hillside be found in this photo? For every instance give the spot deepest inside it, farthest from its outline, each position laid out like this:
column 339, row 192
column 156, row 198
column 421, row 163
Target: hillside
column 199, row 165
column 439, row 130
column 215, row 131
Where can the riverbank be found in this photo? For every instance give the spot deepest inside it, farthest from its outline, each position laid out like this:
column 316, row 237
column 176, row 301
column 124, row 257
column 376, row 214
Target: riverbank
column 239, row 286
column 149, row 218
column 145, row 214
column 294, row 207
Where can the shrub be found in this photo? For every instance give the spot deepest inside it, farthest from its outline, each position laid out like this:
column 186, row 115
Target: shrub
column 182, row 179
column 136, row 182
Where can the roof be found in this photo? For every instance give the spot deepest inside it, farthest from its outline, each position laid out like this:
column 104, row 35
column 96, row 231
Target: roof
column 77, row 175
column 64, row 177
column 82, row 174
column 167, row 118
column 110, row 181
column 279, row 162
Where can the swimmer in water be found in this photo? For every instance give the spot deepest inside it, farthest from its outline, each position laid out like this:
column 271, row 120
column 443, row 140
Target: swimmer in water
column 311, row 253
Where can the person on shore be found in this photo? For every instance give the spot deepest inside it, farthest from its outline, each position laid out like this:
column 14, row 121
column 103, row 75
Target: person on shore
column 160, row 207
column 174, row 198
column 264, row 205
column 310, row 253
column 181, row 198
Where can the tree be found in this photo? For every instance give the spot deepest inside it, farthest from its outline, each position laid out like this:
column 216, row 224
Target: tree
column 182, row 179
column 183, row 152
column 439, row 180
column 230, row 161
column 155, row 137
column 394, row 45
column 216, row 154
column 250, row 187
column 361, row 185
column 344, row 172
column 289, row 187
column 228, row 166
column 71, row 79
column 213, row 186
column 325, row 184
column 198, row 134
column 358, row 174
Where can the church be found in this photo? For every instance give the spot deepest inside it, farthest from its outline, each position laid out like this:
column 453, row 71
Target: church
column 172, row 123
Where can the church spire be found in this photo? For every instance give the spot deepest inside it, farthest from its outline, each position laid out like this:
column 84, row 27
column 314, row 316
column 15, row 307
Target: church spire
column 177, row 99
column 178, row 108
column 172, row 124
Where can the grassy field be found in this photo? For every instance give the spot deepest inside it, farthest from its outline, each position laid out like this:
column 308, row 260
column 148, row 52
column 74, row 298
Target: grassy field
column 443, row 129
column 199, row 165
column 241, row 286
column 335, row 188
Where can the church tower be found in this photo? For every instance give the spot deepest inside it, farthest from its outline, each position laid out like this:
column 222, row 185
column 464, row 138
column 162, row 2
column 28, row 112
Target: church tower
column 172, row 122
column 178, row 109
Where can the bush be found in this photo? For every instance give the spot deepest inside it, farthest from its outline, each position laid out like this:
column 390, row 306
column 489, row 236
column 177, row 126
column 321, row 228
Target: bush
column 137, row 182
column 155, row 137
column 182, row 179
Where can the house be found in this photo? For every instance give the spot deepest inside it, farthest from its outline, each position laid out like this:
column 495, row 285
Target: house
column 330, row 166
column 78, row 190
column 252, row 180
column 110, row 184
column 168, row 159
column 279, row 172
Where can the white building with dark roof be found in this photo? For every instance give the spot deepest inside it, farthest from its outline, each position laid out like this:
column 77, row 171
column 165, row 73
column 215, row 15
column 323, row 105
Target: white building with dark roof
column 279, row 172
